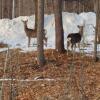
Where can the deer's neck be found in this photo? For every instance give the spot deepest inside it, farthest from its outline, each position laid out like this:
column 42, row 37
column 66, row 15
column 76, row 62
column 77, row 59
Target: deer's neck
column 25, row 28
column 81, row 32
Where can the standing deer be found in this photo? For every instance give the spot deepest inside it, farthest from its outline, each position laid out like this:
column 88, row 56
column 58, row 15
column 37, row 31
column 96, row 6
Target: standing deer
column 74, row 38
column 32, row 33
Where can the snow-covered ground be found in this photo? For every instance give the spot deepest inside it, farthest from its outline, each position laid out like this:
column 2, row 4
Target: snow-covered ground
column 12, row 31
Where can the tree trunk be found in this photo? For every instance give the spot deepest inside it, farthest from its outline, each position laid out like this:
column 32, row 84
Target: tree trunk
column 4, row 9
column 36, row 10
column 40, row 27
column 99, row 22
column 99, row 30
column 13, row 9
column 59, row 26
column 96, row 5
column 0, row 9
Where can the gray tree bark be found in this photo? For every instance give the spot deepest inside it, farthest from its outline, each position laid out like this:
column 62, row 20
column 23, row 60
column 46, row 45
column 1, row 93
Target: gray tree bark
column 40, row 27
column 0, row 9
column 36, row 10
column 59, row 26
column 96, row 6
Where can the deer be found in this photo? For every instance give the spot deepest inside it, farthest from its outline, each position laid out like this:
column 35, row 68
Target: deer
column 32, row 33
column 74, row 38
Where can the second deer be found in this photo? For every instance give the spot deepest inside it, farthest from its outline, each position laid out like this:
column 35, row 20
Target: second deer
column 74, row 38
column 32, row 33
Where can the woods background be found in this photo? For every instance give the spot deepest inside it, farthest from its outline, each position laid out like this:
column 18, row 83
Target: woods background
column 15, row 8
column 26, row 7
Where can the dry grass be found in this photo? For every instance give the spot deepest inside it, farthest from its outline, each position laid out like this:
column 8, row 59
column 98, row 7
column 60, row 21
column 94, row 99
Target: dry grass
column 73, row 78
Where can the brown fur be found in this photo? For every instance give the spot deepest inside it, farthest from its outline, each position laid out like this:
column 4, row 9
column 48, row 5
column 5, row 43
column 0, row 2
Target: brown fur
column 32, row 33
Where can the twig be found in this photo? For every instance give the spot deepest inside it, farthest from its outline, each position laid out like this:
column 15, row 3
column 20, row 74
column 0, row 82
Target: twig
column 4, row 74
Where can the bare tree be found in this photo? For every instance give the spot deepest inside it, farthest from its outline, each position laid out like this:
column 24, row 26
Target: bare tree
column 59, row 25
column 96, row 5
column 40, row 27
column 5, row 10
column 36, row 10
column 99, row 29
column 99, row 21
column 0, row 8
column 13, row 8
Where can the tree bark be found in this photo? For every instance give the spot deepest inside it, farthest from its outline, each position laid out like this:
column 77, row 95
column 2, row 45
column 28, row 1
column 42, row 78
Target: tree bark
column 4, row 9
column 59, row 26
column 96, row 5
column 10, row 5
column 36, row 10
column 40, row 27
column 0, row 9
column 99, row 31
column 99, row 22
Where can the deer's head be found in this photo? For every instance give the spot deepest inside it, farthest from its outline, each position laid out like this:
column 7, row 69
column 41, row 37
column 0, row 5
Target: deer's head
column 25, row 22
column 81, row 29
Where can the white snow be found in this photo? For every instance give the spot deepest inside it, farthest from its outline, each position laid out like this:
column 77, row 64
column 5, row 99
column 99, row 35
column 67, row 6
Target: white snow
column 12, row 31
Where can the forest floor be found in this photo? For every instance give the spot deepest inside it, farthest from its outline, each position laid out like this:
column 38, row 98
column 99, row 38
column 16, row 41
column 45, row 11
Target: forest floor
column 64, row 77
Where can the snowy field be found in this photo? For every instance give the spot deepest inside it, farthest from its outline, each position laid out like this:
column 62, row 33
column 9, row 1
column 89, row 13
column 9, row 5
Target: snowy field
column 12, row 31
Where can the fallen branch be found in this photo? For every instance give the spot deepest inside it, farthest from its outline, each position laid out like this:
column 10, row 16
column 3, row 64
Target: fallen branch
column 33, row 80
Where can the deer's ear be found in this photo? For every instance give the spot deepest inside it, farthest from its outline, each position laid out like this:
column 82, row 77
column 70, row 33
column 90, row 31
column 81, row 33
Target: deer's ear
column 27, row 20
column 78, row 26
column 22, row 20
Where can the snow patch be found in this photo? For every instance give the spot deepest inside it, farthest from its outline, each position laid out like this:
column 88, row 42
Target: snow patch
column 12, row 31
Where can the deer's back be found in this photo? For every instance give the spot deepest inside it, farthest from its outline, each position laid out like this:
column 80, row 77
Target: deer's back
column 31, row 32
column 75, row 37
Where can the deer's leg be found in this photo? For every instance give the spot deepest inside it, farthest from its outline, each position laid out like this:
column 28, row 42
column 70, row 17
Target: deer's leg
column 45, row 38
column 73, row 50
column 79, row 47
column 45, row 41
column 74, row 47
column 29, row 39
column 68, row 44
column 67, row 48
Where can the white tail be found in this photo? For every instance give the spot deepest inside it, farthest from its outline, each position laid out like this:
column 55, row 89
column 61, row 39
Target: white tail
column 32, row 33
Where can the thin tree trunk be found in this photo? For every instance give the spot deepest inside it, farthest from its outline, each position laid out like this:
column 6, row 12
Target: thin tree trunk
column 13, row 9
column 59, row 26
column 36, row 10
column 99, row 22
column 40, row 27
column 96, row 5
column 19, row 9
column 99, row 30
column 0, row 9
